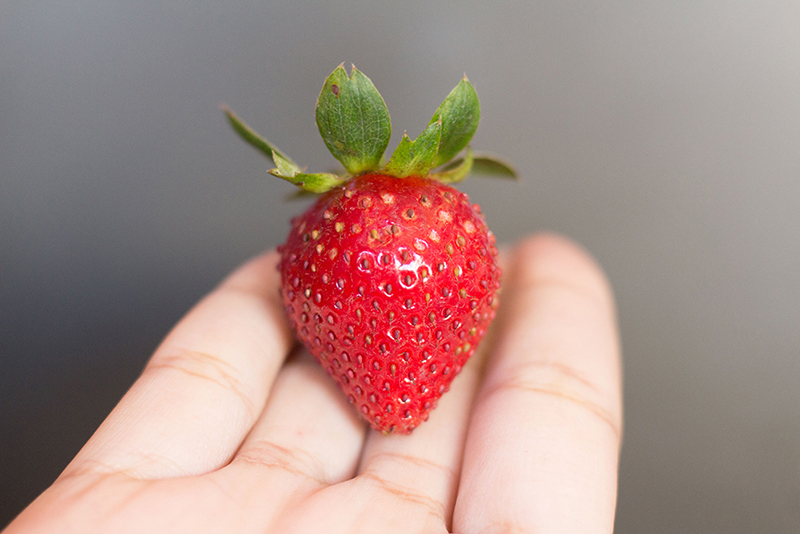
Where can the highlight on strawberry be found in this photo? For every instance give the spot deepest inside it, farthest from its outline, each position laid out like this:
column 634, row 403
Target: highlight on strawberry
column 390, row 278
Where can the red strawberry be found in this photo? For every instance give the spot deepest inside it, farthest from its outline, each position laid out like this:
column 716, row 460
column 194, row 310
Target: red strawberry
column 390, row 283
column 389, row 279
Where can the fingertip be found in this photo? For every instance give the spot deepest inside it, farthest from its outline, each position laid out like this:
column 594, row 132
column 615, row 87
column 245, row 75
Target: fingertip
column 259, row 275
column 553, row 257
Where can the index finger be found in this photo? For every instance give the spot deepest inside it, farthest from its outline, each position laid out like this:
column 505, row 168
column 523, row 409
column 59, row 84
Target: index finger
column 542, row 448
column 203, row 388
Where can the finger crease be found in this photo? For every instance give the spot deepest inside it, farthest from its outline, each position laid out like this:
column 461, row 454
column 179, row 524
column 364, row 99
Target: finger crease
column 97, row 467
column 89, row 480
column 561, row 370
column 559, row 393
column 434, row 507
column 185, row 359
column 264, row 453
column 412, row 460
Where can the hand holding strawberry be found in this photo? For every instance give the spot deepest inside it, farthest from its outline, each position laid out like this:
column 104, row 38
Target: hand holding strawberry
column 224, row 433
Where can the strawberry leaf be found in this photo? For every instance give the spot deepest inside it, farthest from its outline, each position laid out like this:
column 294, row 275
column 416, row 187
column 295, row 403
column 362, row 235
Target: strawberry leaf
column 285, row 168
column 474, row 165
column 456, row 170
column 415, row 158
column 279, row 159
column 353, row 120
column 313, row 183
column 459, row 113
column 491, row 165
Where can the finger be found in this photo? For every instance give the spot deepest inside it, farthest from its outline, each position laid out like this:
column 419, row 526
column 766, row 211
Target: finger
column 406, row 483
column 542, row 447
column 203, row 388
column 307, row 437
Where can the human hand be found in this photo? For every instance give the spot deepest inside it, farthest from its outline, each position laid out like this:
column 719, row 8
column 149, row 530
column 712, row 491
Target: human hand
column 222, row 433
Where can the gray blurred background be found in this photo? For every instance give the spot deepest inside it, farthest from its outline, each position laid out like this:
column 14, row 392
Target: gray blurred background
column 663, row 136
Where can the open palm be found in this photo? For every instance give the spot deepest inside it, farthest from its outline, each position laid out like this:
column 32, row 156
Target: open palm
column 229, row 430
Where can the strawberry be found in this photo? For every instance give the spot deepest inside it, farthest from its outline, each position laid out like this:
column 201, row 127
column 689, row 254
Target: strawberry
column 389, row 278
column 390, row 283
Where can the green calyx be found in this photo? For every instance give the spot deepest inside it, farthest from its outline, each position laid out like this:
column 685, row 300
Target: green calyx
column 356, row 127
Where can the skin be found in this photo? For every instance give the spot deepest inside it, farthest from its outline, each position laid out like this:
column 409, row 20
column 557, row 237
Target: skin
column 230, row 430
